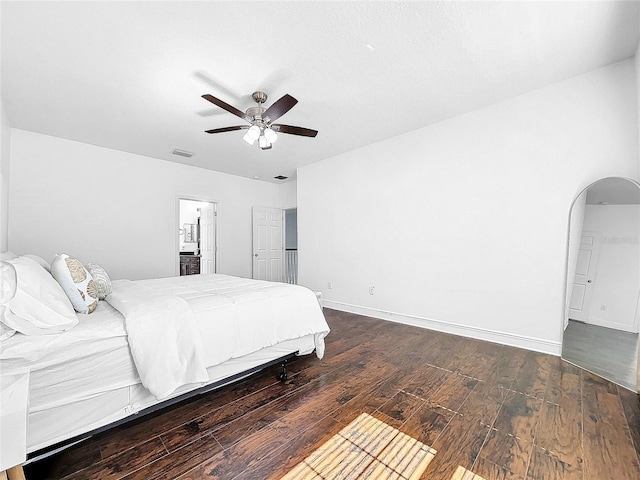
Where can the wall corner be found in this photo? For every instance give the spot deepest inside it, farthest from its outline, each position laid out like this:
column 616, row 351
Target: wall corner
column 5, row 170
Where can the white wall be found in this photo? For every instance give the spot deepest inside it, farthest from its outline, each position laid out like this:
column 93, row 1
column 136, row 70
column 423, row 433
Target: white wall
column 617, row 276
column 119, row 209
column 462, row 225
column 288, row 194
column 189, row 212
column 5, row 145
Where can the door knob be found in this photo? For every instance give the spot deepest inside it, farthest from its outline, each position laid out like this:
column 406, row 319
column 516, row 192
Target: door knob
column 588, row 281
column 255, row 255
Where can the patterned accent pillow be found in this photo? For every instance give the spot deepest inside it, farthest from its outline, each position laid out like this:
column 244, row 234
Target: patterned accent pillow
column 101, row 278
column 76, row 282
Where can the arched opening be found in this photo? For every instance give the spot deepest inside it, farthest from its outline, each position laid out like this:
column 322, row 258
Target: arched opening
column 602, row 294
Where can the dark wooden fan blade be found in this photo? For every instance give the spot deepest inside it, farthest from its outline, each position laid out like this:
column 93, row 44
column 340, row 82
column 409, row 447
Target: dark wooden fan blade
column 227, row 107
column 228, row 129
column 305, row 132
column 279, row 108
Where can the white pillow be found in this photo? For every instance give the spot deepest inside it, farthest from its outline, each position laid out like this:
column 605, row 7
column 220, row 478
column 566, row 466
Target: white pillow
column 5, row 332
column 9, row 283
column 76, row 282
column 39, row 260
column 39, row 305
column 5, row 256
column 8, row 287
column 101, row 278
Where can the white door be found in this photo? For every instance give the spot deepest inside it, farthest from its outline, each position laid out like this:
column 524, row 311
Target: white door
column 208, row 238
column 585, row 273
column 267, row 244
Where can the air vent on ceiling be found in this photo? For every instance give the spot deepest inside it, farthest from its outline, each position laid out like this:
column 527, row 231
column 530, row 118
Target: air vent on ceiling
column 280, row 177
column 182, row 153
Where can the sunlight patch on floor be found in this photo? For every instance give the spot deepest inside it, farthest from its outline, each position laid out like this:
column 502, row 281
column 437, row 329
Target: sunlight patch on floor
column 462, row 473
column 367, row 448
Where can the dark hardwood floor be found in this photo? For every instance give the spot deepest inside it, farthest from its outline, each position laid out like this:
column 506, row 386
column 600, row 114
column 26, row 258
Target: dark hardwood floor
column 500, row 412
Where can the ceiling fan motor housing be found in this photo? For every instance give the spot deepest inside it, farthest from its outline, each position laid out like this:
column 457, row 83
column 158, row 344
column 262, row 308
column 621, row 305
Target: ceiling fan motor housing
column 259, row 97
column 255, row 111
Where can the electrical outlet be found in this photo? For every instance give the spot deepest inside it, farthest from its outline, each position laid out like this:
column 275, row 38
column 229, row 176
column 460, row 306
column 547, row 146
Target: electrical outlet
column 603, row 307
column 371, row 290
column 329, row 285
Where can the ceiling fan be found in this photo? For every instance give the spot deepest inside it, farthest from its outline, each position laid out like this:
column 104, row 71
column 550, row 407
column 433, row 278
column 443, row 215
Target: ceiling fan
column 261, row 126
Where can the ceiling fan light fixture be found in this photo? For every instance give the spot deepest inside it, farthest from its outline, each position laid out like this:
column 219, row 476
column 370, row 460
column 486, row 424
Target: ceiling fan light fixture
column 270, row 135
column 264, row 143
column 254, row 132
column 252, row 135
column 247, row 137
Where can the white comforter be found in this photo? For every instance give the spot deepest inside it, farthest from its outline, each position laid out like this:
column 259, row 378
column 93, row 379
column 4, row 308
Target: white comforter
column 235, row 316
column 165, row 341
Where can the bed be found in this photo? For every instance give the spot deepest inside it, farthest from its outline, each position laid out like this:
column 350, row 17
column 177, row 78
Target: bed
column 96, row 374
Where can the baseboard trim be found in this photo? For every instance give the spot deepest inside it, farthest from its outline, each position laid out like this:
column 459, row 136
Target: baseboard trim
column 495, row 336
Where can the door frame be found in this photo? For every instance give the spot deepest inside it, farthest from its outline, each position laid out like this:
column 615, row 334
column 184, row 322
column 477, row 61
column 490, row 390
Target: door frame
column 176, row 248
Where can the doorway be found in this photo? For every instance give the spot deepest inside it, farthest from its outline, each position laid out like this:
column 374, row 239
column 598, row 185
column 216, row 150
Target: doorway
column 197, row 236
column 267, row 243
column 291, row 245
column 602, row 299
column 275, row 244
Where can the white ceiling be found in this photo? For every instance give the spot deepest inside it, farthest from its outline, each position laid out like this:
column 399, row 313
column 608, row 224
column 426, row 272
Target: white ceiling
column 129, row 75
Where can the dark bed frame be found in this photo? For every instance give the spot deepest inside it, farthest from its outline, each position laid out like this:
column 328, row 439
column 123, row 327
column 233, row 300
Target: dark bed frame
column 60, row 446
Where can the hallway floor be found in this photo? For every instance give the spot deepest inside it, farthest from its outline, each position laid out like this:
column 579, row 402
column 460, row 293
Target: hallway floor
column 611, row 353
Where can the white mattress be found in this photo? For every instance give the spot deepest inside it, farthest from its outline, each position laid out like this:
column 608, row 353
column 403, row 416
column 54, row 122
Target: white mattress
column 86, row 378
column 90, row 359
column 67, row 420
